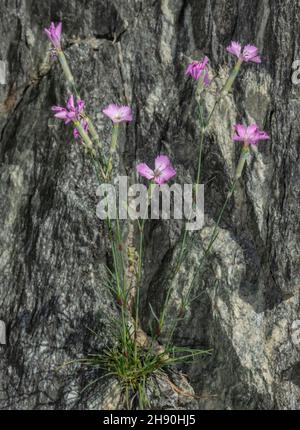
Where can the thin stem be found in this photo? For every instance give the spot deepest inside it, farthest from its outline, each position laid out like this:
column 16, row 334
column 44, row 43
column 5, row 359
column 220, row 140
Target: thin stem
column 239, row 170
column 138, row 286
column 203, row 132
column 214, row 234
column 113, row 147
column 89, row 145
column 71, row 83
column 85, row 137
column 183, row 242
column 66, row 69
column 226, row 88
column 228, row 85
column 119, row 273
column 242, row 161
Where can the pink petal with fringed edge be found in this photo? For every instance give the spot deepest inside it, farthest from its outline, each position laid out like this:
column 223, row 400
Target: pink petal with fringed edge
column 145, row 171
column 235, row 49
column 162, row 162
column 168, row 173
column 70, row 103
column 241, row 132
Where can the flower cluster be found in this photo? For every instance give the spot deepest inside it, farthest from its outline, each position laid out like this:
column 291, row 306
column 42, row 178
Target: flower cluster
column 197, row 69
column 73, row 113
column 250, row 135
column 163, row 171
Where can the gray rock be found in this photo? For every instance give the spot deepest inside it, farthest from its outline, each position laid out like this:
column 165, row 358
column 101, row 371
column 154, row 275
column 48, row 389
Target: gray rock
column 52, row 249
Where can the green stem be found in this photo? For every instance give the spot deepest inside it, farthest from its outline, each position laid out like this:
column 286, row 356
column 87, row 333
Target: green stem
column 119, row 273
column 67, row 71
column 117, row 251
column 138, row 286
column 113, row 147
column 89, row 145
column 239, row 170
column 85, row 137
column 203, row 132
column 215, row 234
column 243, row 158
column 228, row 85
column 226, row 88
column 72, row 86
column 183, row 242
column 93, row 131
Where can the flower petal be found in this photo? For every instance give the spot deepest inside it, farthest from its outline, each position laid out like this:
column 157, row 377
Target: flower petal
column 205, row 61
column 80, row 106
column 206, row 79
column 165, row 175
column 162, row 162
column 70, row 103
column 235, row 49
column 126, row 113
column 62, row 114
column 263, row 135
column 57, row 109
column 241, row 132
column 250, row 53
column 196, row 68
column 252, row 130
column 58, row 30
column 47, row 32
column 145, row 171
column 111, row 110
column 118, row 114
column 256, row 59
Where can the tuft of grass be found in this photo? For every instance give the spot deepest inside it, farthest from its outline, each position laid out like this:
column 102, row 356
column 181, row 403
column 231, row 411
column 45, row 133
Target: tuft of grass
column 133, row 366
column 131, row 362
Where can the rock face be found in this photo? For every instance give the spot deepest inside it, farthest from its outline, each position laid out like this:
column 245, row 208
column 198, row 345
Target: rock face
column 52, row 250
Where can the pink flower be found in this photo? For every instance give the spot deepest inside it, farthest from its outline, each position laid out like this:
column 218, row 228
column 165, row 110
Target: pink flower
column 54, row 34
column 197, row 69
column 162, row 173
column 118, row 114
column 85, row 126
column 249, row 53
column 71, row 112
column 249, row 135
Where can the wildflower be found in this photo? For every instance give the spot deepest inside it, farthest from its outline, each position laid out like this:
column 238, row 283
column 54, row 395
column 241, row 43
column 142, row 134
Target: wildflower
column 250, row 135
column 71, row 113
column 162, row 173
column 197, row 69
column 54, row 34
column 249, row 53
column 85, row 127
column 118, row 114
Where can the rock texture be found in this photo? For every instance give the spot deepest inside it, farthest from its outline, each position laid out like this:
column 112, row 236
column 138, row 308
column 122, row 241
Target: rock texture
column 52, row 249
